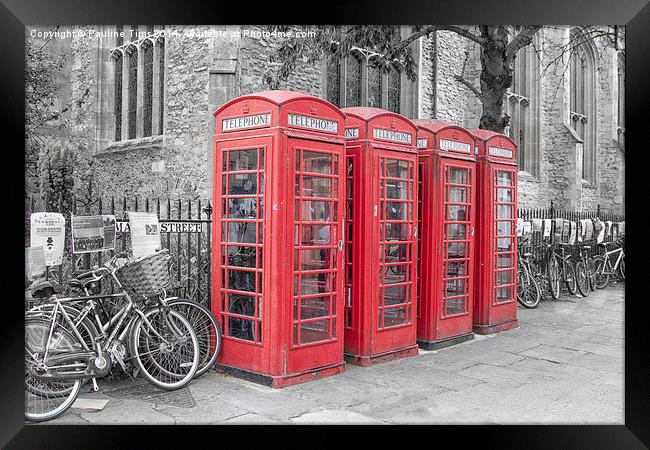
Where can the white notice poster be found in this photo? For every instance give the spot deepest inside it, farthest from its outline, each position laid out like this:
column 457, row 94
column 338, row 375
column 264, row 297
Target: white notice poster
column 572, row 233
column 528, row 227
column 581, row 230
column 520, row 226
column 48, row 231
column 547, row 227
column 145, row 233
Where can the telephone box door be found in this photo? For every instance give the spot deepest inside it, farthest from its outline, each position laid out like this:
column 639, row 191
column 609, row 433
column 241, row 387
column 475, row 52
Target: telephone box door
column 456, row 235
column 238, row 254
column 397, row 258
column 316, row 315
column 504, row 242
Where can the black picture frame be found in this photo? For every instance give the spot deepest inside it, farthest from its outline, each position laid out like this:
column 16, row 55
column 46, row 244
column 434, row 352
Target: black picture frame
column 635, row 14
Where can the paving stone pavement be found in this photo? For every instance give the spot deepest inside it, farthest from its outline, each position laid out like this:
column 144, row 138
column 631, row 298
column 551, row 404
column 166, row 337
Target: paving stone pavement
column 563, row 365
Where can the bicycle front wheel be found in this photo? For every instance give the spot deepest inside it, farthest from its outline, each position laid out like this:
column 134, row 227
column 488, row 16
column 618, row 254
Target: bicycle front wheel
column 46, row 400
column 206, row 328
column 582, row 278
column 165, row 348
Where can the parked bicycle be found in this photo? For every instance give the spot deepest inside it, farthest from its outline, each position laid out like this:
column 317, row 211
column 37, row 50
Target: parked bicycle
column 610, row 263
column 64, row 347
column 528, row 291
column 560, row 268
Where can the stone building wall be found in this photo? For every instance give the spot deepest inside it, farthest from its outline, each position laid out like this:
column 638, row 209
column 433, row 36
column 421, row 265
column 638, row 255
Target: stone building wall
column 559, row 178
column 203, row 71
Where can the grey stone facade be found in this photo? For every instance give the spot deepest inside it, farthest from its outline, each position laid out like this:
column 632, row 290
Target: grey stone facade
column 203, row 70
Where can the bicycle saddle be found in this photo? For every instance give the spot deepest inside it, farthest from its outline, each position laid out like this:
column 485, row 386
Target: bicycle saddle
column 81, row 283
column 44, row 289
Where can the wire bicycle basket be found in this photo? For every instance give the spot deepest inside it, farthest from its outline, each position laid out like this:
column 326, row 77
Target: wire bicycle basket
column 146, row 277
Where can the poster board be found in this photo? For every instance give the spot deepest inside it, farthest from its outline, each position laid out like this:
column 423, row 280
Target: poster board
column 559, row 229
column 47, row 230
column 580, row 231
column 537, row 225
column 528, row 228
column 572, row 233
column 145, row 233
column 548, row 223
column 35, row 267
column 520, row 226
column 589, row 230
column 93, row 233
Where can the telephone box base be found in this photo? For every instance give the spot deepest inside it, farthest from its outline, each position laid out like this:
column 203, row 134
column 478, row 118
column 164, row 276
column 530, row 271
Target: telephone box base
column 495, row 328
column 446, row 342
column 280, row 381
column 370, row 360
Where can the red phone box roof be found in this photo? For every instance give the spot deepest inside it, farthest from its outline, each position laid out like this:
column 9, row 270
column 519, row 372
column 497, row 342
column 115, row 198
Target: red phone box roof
column 286, row 109
column 443, row 136
column 379, row 125
column 495, row 145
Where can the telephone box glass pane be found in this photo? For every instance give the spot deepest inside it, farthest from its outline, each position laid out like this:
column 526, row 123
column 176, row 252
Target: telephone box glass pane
column 313, row 186
column 395, row 273
column 317, row 162
column 242, row 184
column 457, row 194
column 243, row 160
column 242, row 208
column 504, row 178
column 457, row 213
column 242, row 256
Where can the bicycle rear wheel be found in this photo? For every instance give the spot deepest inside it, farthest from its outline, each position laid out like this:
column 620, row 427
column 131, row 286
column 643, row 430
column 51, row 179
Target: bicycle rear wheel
column 621, row 268
column 582, row 278
column 528, row 292
column 569, row 275
column 601, row 276
column 591, row 271
column 46, row 400
column 207, row 331
column 553, row 272
column 167, row 352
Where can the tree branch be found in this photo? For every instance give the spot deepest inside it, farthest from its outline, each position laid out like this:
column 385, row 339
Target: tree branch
column 431, row 28
column 469, row 86
column 463, row 32
column 522, row 39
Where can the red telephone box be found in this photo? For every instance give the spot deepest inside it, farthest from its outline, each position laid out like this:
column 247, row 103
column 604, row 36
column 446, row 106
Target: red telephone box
column 279, row 192
column 446, row 212
column 495, row 294
column 381, row 243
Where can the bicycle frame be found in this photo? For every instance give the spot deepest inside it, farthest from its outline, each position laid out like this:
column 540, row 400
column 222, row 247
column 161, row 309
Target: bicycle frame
column 608, row 262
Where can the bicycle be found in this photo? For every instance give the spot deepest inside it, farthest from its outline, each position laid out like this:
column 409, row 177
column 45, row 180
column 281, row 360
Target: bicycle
column 528, row 291
column 57, row 357
column 559, row 267
column 603, row 264
column 201, row 318
column 584, row 270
